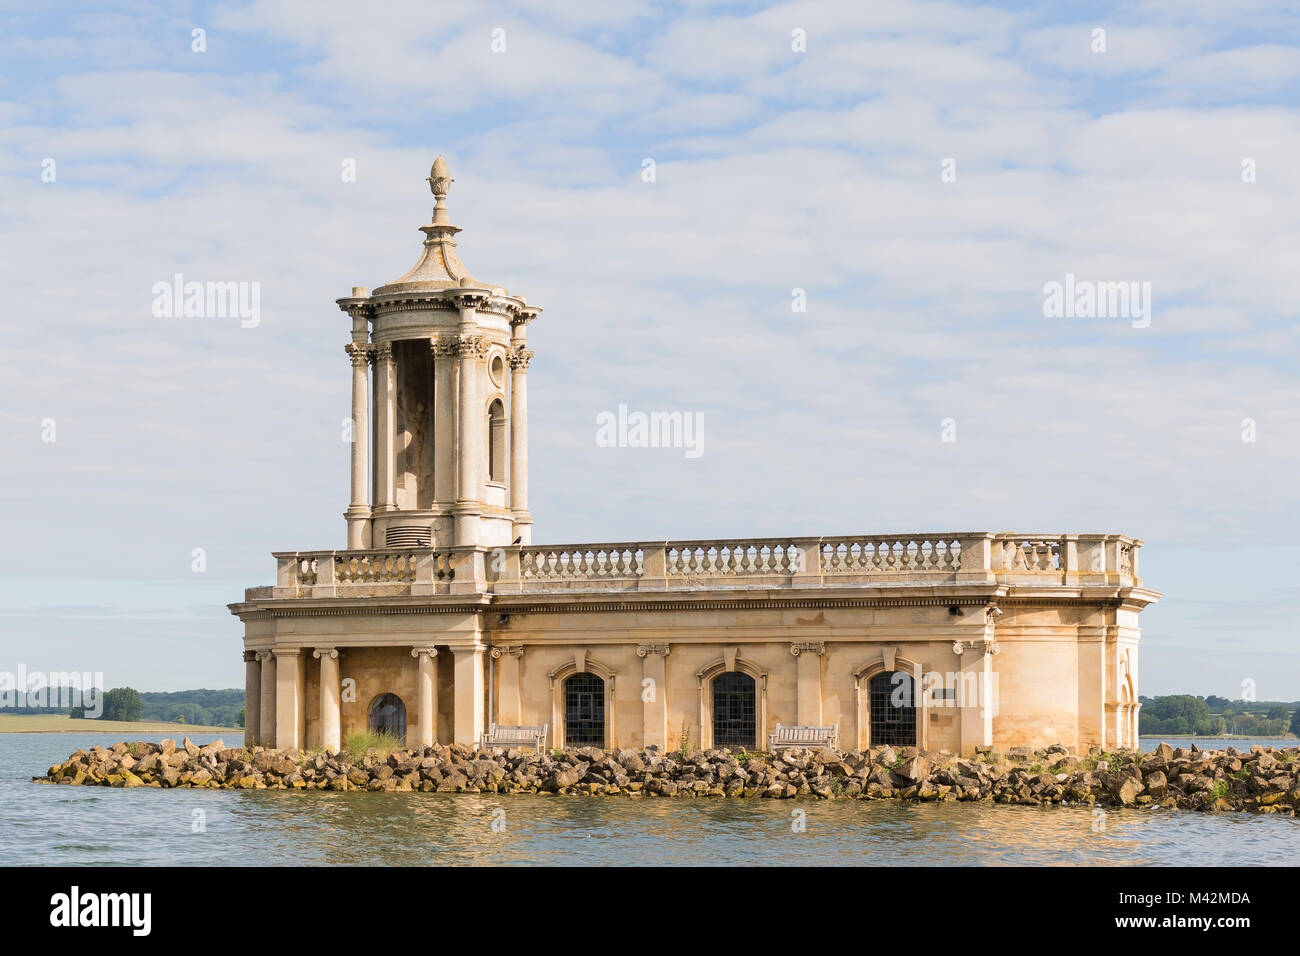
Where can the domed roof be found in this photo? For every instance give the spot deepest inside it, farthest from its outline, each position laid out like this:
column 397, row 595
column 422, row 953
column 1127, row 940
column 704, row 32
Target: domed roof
column 439, row 267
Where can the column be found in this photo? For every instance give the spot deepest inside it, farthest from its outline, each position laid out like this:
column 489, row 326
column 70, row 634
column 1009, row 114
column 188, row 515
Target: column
column 386, row 428
column 252, row 697
column 330, row 702
column 808, row 681
column 267, row 711
column 288, row 698
column 469, row 694
column 978, row 679
column 444, row 420
column 519, row 357
column 654, row 694
column 471, row 424
column 358, row 513
column 427, row 686
column 509, row 702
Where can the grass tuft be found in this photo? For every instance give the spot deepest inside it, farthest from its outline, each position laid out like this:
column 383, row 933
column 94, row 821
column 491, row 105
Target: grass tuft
column 360, row 741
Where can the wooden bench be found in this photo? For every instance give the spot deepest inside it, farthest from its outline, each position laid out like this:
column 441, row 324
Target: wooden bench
column 502, row 736
column 825, row 738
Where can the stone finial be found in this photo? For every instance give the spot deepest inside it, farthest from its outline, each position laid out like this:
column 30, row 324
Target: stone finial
column 439, row 182
column 439, row 178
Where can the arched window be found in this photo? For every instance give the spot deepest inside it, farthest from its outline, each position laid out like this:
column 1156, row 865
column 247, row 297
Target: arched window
column 388, row 716
column 497, row 441
column 584, row 711
column 734, row 721
column 893, row 709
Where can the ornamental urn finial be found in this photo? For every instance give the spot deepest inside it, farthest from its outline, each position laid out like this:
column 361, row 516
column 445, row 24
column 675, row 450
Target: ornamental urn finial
column 439, row 182
column 440, row 179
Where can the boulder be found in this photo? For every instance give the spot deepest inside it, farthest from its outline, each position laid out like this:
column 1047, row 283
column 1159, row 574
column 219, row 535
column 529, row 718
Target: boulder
column 915, row 769
column 1156, row 784
column 1126, row 793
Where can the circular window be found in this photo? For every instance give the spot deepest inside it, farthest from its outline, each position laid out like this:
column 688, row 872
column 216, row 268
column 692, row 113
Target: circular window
column 497, row 369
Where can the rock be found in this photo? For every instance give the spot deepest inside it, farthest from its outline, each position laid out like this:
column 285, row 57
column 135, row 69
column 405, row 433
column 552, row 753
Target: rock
column 1156, row 784
column 191, row 748
column 452, row 781
column 916, row 769
column 1126, row 793
column 562, row 779
column 630, row 761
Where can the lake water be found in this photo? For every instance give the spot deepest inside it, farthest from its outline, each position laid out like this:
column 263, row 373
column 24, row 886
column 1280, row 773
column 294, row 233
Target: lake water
column 1242, row 744
column 46, row 824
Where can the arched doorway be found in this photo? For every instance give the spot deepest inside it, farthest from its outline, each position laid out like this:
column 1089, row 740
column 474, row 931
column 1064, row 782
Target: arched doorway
column 388, row 716
column 893, row 709
column 584, row 711
column 734, row 711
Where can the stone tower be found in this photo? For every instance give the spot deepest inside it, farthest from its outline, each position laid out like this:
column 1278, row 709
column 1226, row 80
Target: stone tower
column 439, row 373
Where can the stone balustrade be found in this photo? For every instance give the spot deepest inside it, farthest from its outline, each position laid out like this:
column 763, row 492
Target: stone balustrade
column 1034, row 560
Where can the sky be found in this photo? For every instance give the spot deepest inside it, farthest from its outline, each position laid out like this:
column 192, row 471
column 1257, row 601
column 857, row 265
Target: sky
column 668, row 182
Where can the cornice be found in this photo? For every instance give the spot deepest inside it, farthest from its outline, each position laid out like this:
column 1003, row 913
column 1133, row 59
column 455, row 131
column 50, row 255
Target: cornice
column 525, row 604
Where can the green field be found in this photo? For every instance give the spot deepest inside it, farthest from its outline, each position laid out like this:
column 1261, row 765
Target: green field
column 63, row 724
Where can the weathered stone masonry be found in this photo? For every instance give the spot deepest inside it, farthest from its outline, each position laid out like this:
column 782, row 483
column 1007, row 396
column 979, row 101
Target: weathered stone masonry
column 441, row 616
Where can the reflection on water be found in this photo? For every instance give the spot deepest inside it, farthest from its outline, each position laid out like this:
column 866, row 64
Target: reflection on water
column 87, row 825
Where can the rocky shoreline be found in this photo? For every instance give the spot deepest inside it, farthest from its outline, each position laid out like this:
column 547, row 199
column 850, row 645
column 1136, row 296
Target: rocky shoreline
column 1264, row 780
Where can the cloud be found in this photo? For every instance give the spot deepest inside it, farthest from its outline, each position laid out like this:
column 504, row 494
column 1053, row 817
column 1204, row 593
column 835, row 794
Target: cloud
column 775, row 171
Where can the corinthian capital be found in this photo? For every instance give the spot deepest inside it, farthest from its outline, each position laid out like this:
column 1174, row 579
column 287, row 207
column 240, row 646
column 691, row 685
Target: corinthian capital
column 359, row 354
column 444, row 346
column 471, row 346
column 519, row 357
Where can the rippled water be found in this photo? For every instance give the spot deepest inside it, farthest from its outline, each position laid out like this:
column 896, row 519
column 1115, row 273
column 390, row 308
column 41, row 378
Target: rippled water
column 46, row 824
column 1219, row 743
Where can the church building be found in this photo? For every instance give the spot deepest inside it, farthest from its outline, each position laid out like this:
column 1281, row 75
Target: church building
column 441, row 617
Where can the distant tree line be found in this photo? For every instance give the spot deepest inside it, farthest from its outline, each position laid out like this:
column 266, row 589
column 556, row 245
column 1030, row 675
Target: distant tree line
column 213, row 708
column 1216, row 716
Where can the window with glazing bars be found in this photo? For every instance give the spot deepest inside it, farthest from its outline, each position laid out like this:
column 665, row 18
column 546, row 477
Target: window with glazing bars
column 734, row 711
column 584, row 711
column 893, row 709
